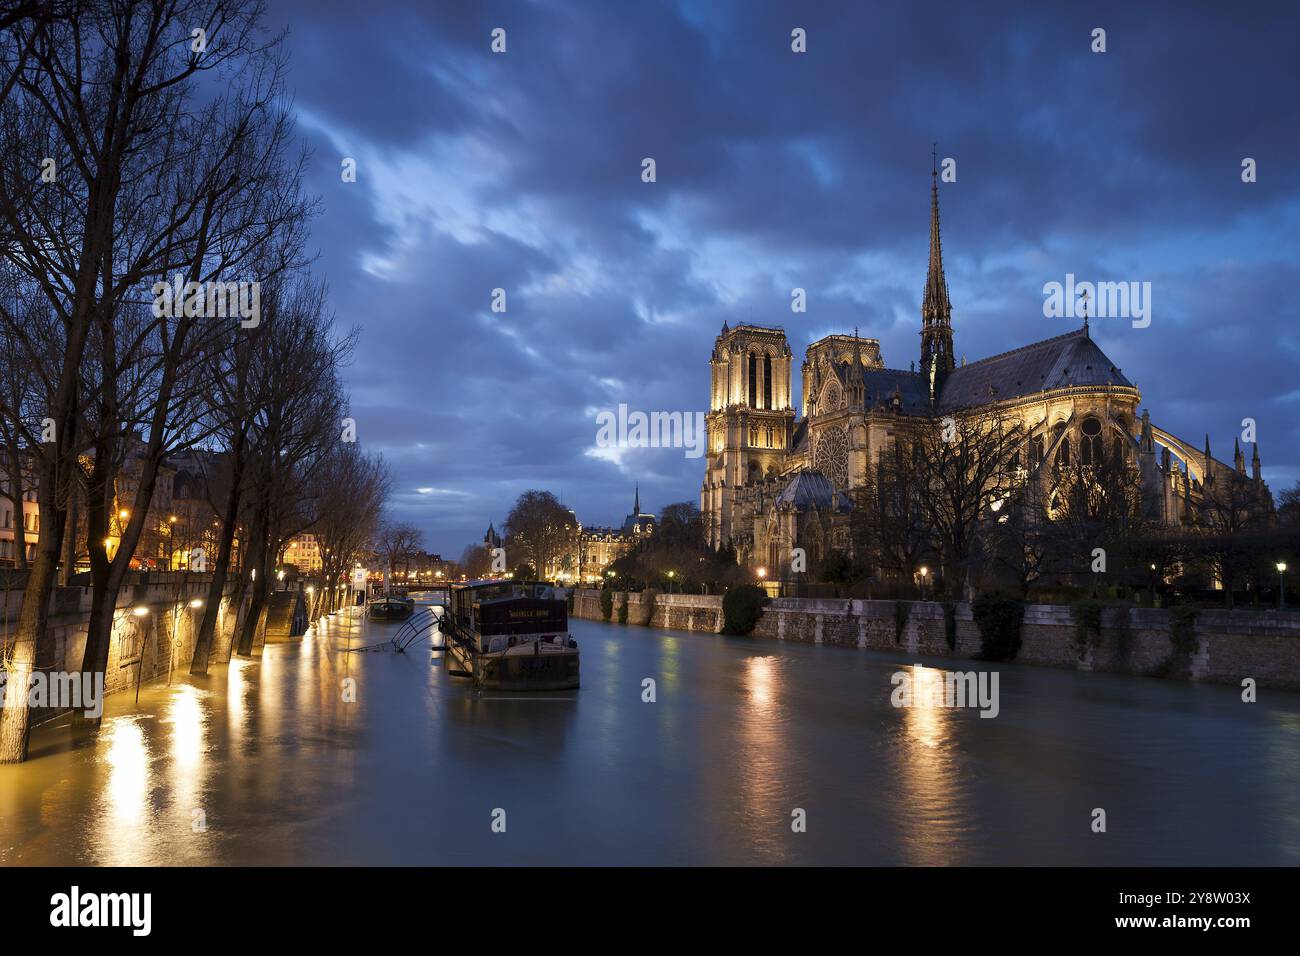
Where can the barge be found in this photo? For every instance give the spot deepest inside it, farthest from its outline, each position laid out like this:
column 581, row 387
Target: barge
column 510, row 635
column 390, row 608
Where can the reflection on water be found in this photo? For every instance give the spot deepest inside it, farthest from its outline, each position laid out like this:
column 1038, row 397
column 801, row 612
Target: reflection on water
column 122, row 823
column 268, row 761
column 925, row 770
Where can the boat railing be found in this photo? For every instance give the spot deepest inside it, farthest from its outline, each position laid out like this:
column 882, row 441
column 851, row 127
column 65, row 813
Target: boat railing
column 415, row 629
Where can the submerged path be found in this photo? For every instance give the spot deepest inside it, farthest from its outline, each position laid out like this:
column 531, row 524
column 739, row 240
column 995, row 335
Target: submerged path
column 265, row 762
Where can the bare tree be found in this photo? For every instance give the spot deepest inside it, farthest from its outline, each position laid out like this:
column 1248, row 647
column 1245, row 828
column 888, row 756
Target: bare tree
column 353, row 488
column 99, row 137
column 398, row 542
column 964, row 467
column 541, row 529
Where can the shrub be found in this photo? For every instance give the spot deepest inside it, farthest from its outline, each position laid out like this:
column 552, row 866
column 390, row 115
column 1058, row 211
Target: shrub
column 1087, row 625
column 622, row 609
column 998, row 615
column 1182, row 629
column 902, row 611
column 950, row 625
column 742, row 607
column 606, row 603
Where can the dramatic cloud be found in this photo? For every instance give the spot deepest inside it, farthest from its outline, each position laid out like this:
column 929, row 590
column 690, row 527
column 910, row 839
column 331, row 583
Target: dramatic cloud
column 522, row 171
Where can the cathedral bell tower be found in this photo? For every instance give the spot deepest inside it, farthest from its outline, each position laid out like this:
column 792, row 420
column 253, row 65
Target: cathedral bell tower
column 750, row 420
column 936, row 308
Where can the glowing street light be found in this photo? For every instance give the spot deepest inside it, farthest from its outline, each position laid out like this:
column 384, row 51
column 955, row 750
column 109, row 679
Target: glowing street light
column 140, row 611
column 197, row 602
column 762, row 572
column 1281, row 585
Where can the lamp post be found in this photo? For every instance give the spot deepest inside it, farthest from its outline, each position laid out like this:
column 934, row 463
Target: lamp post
column 924, row 571
column 1281, row 585
column 670, row 581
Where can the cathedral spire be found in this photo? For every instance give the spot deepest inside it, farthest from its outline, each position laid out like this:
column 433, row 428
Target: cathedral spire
column 936, row 308
column 636, row 506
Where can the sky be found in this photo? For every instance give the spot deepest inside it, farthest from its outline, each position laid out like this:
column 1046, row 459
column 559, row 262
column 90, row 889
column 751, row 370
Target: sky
column 522, row 171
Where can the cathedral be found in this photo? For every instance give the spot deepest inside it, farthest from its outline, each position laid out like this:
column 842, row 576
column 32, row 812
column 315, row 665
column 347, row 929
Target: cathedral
column 775, row 480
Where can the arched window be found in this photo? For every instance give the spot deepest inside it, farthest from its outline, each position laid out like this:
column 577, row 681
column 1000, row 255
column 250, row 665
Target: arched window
column 1063, row 452
column 1036, row 450
column 1090, row 446
column 1064, row 449
column 767, row 382
column 753, row 380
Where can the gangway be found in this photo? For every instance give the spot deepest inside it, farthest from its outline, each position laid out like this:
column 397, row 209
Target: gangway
column 414, row 629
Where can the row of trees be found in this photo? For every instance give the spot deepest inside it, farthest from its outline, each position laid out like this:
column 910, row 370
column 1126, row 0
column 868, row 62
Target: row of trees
column 145, row 145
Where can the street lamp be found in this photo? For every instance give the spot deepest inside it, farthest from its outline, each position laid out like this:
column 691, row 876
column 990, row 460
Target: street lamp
column 762, row 573
column 924, row 571
column 670, row 581
column 1281, row 585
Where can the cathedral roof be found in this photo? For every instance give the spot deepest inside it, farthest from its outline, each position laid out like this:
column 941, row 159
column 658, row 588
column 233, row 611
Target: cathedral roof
column 811, row 489
column 913, row 389
column 1066, row 361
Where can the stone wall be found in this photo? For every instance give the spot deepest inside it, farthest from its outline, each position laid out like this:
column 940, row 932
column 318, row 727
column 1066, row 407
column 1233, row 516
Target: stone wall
column 1230, row 646
column 144, row 647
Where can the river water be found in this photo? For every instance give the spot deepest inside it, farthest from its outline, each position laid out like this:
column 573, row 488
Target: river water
column 266, row 762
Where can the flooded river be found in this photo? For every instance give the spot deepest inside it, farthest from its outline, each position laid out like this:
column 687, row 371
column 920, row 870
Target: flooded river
column 311, row 755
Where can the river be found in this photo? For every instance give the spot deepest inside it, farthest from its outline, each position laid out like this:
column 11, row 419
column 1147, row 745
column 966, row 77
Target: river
column 753, row 752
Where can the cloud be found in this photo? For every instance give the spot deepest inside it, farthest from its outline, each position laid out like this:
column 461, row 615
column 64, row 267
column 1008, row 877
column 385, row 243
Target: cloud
column 522, row 172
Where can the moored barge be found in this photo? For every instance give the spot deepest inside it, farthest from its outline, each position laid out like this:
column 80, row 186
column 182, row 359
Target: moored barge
column 510, row 635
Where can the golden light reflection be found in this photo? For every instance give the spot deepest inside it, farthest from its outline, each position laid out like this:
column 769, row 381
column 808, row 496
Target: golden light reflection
column 760, row 683
column 764, row 783
column 237, row 706
column 927, row 774
column 122, row 831
column 186, row 717
column 926, row 717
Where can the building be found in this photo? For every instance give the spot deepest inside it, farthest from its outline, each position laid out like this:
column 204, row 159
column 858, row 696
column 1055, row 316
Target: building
column 598, row 547
column 304, row 552
column 776, row 480
column 593, row 548
column 27, row 518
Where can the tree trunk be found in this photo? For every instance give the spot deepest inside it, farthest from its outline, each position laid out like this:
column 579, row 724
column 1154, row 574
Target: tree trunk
column 15, row 718
column 256, row 616
column 203, row 640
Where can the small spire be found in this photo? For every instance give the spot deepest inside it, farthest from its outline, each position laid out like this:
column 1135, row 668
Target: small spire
column 636, row 506
column 725, row 330
column 1209, row 462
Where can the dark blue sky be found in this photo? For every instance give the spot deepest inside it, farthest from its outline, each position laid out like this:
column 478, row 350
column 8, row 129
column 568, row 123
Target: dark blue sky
column 775, row 170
